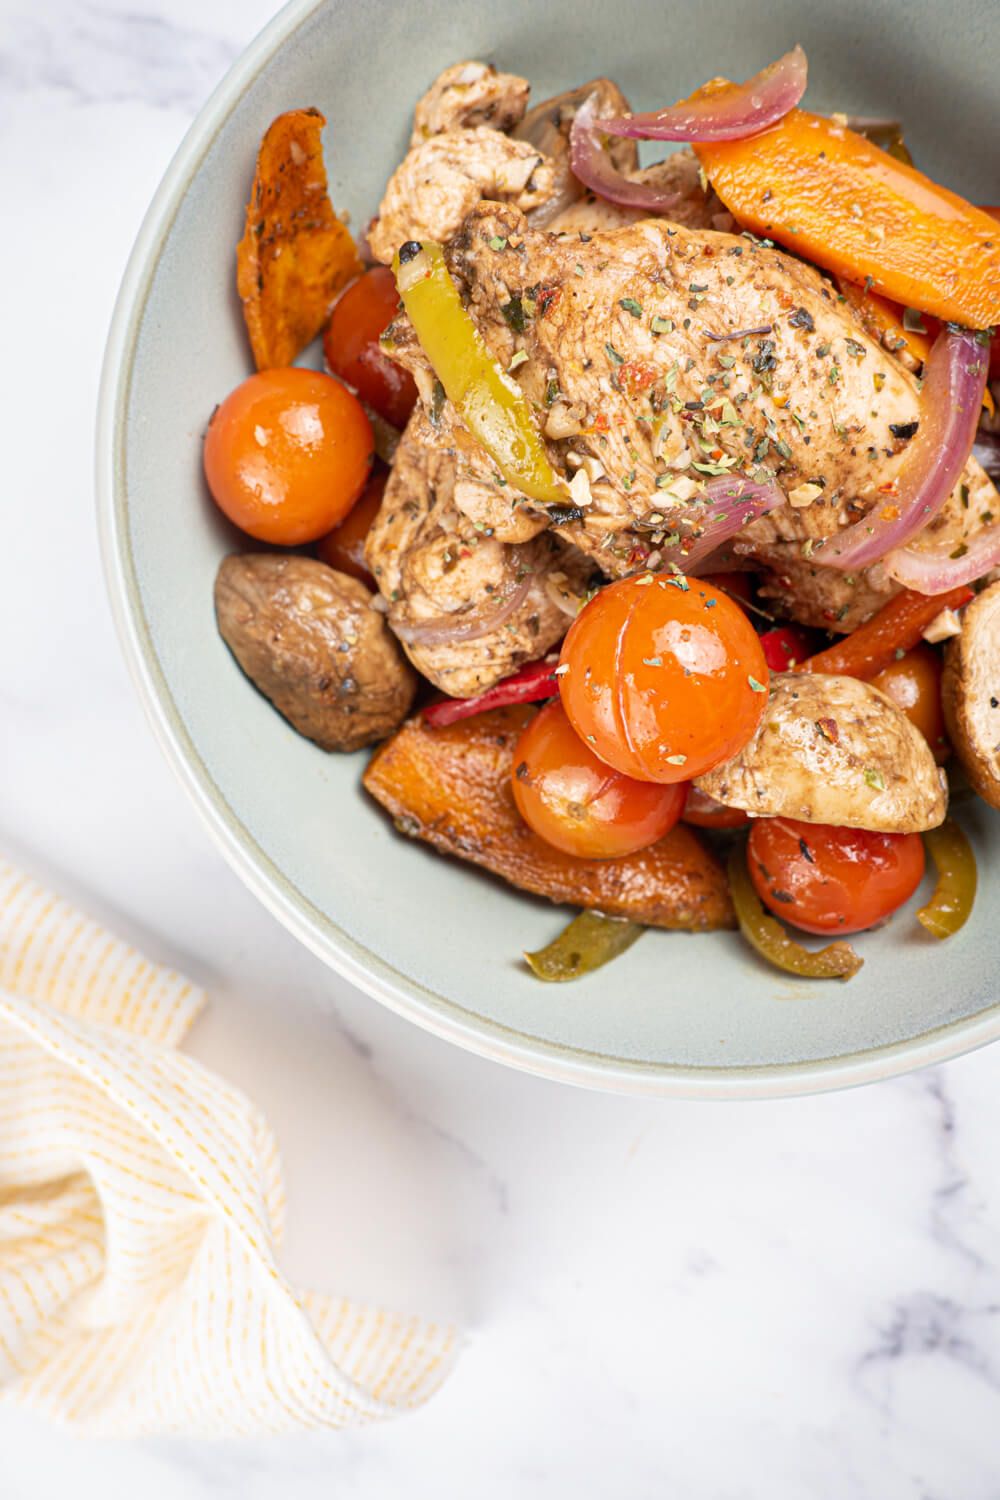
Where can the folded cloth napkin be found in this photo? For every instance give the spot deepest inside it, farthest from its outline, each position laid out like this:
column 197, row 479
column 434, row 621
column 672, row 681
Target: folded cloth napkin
column 140, row 1208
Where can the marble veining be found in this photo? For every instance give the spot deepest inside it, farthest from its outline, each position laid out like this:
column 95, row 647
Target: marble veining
column 796, row 1301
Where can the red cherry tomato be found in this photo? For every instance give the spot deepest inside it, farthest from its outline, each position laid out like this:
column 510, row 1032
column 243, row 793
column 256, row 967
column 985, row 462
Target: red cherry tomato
column 352, row 351
column 739, row 586
column 577, row 803
column 287, row 454
column 665, row 677
column 825, row 879
column 913, row 682
column 343, row 548
column 704, row 812
column 784, row 646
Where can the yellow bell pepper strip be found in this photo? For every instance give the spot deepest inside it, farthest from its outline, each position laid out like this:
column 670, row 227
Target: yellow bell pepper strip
column 589, row 942
column 833, row 197
column 491, row 404
column 766, row 935
column 955, row 892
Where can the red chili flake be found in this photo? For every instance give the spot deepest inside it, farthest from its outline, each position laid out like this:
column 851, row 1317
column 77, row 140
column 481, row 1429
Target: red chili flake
column 600, row 423
column 636, row 376
column 890, row 513
column 829, row 730
column 638, row 555
column 887, row 489
column 547, row 299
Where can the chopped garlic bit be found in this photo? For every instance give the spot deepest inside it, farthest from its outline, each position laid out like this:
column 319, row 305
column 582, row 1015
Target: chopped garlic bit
column 579, row 488
column 943, row 627
column 804, row 494
column 561, row 423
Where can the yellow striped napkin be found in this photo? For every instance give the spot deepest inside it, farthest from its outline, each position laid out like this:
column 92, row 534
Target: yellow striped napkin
column 140, row 1209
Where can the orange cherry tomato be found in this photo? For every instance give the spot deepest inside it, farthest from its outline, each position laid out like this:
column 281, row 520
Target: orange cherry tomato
column 704, row 812
column 352, row 351
column 343, row 548
column 664, row 677
column 578, row 804
column 914, row 685
column 825, row 879
column 287, row 454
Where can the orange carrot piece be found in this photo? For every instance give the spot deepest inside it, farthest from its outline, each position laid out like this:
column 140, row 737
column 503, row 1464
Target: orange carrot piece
column 897, row 628
column 824, row 191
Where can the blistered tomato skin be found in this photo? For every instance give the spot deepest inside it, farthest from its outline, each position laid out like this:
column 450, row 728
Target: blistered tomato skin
column 287, row 454
column 823, row 879
column 351, row 346
column 913, row 682
column 664, row 677
column 577, row 803
column 343, row 548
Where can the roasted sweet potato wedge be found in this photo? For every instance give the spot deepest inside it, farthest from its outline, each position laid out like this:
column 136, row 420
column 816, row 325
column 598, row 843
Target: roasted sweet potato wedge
column 295, row 254
column 451, row 787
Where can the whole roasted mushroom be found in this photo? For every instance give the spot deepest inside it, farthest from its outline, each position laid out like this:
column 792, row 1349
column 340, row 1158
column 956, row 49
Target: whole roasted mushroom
column 310, row 640
column 970, row 693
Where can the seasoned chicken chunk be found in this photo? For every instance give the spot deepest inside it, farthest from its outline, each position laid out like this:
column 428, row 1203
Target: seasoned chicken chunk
column 444, row 177
column 447, row 580
column 665, row 357
column 834, row 750
column 695, row 205
column 469, row 94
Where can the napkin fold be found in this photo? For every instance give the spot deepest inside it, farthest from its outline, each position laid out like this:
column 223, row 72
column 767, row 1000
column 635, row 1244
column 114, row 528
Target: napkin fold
column 141, row 1207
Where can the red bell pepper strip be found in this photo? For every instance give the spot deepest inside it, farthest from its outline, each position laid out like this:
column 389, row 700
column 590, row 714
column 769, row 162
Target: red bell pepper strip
column 897, row 628
column 531, row 684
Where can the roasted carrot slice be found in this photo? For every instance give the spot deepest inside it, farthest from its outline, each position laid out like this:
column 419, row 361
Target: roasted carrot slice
column 824, row 191
column 896, row 629
column 295, row 254
column 451, row 787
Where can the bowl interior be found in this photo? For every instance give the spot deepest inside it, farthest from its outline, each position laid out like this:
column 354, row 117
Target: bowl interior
column 425, row 934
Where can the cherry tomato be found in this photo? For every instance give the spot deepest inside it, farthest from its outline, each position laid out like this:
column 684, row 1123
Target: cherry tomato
column 704, row 812
column 343, row 548
column 577, row 803
column 287, row 454
column 784, row 646
column 739, row 586
column 825, row 879
column 913, row 682
column 352, row 351
column 665, row 677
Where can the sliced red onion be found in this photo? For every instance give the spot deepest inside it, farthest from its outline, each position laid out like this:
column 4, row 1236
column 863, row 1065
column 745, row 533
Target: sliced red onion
column 594, row 167
column 935, row 572
column 726, row 114
column 447, row 630
column 950, row 402
column 725, row 506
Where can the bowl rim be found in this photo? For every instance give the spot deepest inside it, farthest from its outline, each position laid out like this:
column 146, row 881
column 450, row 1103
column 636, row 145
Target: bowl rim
column 315, row 929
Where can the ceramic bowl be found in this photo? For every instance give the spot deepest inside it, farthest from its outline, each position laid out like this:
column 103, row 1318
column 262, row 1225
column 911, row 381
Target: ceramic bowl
column 431, row 938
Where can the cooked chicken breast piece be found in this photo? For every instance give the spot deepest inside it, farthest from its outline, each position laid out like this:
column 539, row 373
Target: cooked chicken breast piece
column 444, row 177
column 469, row 94
column 834, row 750
column 696, row 206
column 664, row 356
column 433, row 564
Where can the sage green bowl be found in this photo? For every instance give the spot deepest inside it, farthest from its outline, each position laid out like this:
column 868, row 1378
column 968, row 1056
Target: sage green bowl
column 433, row 939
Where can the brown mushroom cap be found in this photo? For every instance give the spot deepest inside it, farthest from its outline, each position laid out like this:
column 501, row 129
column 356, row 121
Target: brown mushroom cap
column 834, row 750
column 970, row 693
column 310, row 640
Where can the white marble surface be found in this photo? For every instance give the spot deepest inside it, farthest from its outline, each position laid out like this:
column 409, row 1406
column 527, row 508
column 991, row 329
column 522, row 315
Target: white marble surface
column 718, row 1302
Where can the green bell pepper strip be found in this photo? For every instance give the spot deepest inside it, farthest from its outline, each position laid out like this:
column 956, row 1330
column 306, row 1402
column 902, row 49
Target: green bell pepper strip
column 491, row 404
column 590, row 941
column 766, row 934
column 955, row 892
